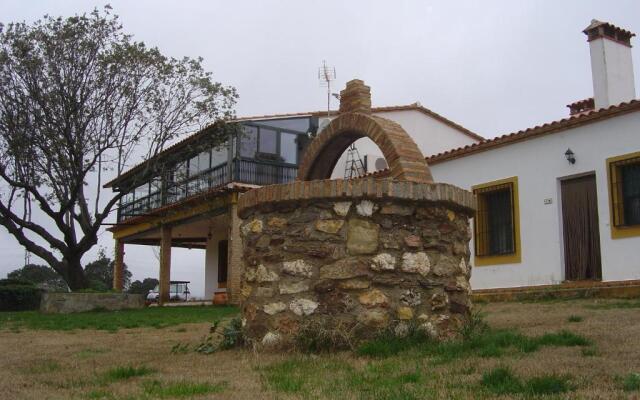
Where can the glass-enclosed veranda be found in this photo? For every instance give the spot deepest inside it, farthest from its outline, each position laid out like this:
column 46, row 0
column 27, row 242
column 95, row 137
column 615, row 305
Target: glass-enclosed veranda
column 265, row 152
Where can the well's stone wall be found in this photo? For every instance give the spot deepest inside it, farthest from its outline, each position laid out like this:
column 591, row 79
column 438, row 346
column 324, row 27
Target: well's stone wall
column 367, row 255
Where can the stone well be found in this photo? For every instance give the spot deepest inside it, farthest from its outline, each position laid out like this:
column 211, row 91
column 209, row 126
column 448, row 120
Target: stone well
column 363, row 255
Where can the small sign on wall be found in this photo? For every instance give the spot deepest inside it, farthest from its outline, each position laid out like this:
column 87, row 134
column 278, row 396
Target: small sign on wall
column 548, row 201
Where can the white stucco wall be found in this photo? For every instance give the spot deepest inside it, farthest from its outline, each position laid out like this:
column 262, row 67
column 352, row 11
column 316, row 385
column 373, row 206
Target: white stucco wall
column 431, row 135
column 540, row 164
column 211, row 265
column 612, row 72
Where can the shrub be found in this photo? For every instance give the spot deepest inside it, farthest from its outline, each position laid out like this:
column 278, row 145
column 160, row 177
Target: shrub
column 233, row 335
column 16, row 295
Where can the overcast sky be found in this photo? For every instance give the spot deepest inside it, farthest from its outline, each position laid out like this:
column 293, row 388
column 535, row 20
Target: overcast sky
column 492, row 66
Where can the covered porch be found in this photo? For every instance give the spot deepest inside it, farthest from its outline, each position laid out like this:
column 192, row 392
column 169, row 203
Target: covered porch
column 207, row 222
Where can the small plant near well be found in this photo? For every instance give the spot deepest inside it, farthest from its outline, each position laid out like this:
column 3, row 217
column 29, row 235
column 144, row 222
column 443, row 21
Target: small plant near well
column 325, row 336
column 126, row 372
column 631, row 382
column 225, row 334
column 232, row 333
column 502, row 380
column 575, row 318
column 475, row 326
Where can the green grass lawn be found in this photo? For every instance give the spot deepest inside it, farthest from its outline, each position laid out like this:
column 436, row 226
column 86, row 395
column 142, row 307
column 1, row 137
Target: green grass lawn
column 157, row 317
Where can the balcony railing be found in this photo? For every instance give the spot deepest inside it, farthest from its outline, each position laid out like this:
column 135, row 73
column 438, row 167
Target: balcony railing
column 244, row 171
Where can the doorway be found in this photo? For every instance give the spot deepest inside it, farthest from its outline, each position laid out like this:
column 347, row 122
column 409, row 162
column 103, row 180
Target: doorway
column 581, row 230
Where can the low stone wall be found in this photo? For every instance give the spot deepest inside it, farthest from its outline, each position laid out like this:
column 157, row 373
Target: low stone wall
column 364, row 256
column 64, row 303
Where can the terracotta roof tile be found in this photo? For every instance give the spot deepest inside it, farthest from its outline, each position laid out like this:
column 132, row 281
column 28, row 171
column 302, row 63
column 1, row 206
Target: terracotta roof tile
column 540, row 130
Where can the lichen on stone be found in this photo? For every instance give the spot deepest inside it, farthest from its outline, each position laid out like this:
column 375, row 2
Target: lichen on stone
column 383, row 262
column 303, row 307
column 366, row 208
column 274, row 308
column 293, row 287
column 329, row 225
column 341, row 208
column 297, row 268
column 253, row 226
column 416, row 263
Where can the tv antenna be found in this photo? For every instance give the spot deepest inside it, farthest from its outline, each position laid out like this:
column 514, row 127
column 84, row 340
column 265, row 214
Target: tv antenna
column 326, row 75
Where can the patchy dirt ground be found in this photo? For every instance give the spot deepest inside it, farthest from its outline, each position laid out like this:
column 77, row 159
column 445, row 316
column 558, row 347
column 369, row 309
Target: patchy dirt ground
column 74, row 365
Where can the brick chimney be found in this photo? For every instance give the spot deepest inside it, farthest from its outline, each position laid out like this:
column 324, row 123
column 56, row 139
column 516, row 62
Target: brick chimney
column 611, row 64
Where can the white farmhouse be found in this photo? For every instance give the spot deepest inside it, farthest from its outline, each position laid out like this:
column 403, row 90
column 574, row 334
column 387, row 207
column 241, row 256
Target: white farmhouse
column 561, row 201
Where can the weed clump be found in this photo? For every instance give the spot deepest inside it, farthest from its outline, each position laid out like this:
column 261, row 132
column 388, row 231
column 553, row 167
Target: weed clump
column 126, row 372
column 502, row 380
column 631, row 382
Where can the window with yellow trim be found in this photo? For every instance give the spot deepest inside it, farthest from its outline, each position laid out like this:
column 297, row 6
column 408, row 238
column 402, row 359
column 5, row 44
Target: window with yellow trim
column 496, row 223
column 624, row 186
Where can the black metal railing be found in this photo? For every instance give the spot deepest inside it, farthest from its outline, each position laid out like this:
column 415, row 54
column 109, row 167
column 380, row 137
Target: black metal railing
column 240, row 170
column 263, row 172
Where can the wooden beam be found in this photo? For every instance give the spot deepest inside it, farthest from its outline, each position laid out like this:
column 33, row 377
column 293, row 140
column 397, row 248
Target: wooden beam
column 206, row 208
column 165, row 264
column 118, row 266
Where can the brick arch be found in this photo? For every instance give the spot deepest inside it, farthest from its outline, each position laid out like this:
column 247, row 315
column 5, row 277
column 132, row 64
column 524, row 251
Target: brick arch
column 405, row 160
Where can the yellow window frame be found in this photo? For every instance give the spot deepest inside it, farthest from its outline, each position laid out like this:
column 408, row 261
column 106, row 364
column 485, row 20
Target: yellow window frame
column 618, row 231
column 515, row 257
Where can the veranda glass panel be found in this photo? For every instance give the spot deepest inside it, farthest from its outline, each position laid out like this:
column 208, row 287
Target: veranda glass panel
column 249, row 142
column 288, row 147
column 142, row 191
column 194, row 166
column 297, row 124
column 203, row 160
column 268, row 141
column 219, row 155
column 180, row 172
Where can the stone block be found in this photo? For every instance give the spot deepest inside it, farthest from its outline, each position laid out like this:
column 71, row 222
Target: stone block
column 362, row 236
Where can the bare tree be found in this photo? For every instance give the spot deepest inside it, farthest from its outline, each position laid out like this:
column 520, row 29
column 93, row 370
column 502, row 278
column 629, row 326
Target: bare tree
column 79, row 99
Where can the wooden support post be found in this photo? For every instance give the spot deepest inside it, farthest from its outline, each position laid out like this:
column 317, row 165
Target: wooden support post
column 118, row 266
column 165, row 264
column 235, row 267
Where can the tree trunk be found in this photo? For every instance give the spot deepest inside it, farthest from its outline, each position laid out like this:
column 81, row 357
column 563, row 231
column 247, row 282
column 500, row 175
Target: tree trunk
column 74, row 274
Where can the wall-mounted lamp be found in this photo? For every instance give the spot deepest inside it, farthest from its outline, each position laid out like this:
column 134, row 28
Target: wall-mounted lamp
column 570, row 156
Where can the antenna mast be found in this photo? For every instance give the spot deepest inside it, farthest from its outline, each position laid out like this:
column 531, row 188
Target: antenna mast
column 326, row 75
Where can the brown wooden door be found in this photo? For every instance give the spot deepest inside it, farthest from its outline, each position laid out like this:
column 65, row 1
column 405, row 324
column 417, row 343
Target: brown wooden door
column 581, row 231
